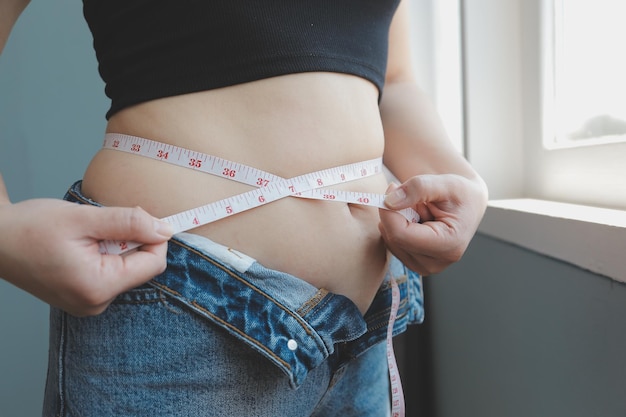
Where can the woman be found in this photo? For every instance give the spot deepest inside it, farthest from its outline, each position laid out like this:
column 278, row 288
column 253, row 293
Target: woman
column 276, row 310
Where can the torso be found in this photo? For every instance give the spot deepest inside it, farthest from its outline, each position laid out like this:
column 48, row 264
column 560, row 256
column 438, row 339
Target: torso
column 287, row 125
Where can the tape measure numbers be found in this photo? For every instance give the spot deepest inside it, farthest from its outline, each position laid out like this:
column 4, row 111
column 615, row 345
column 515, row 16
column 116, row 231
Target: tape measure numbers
column 269, row 188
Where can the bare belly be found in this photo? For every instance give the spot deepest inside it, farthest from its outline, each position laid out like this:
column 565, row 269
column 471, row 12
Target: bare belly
column 288, row 126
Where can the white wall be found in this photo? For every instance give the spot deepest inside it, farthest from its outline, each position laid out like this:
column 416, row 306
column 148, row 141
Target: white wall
column 493, row 82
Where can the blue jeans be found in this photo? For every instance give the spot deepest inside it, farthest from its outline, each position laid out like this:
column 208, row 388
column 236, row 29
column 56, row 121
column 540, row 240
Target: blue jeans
column 218, row 334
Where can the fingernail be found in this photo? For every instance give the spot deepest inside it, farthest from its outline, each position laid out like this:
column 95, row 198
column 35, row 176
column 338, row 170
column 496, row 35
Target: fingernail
column 395, row 197
column 163, row 228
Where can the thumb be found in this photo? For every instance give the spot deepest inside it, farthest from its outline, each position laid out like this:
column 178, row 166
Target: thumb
column 395, row 197
column 126, row 223
column 417, row 190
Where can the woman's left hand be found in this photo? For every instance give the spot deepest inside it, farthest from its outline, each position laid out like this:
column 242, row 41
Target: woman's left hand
column 450, row 208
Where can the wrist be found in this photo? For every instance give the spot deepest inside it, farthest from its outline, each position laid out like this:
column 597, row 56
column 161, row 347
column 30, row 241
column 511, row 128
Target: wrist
column 4, row 195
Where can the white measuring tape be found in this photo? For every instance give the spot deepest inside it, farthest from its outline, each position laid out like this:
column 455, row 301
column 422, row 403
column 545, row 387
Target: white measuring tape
column 270, row 188
column 397, row 395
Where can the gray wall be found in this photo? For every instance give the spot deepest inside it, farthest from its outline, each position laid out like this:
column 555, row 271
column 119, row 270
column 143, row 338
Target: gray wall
column 513, row 333
column 51, row 120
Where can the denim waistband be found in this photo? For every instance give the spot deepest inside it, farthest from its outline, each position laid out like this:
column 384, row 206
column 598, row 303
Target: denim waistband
column 292, row 323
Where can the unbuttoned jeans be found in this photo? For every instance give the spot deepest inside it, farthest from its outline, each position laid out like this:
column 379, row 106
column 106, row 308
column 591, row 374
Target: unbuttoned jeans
column 218, row 334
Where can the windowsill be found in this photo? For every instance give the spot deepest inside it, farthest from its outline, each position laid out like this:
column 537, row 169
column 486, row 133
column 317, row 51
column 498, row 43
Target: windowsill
column 588, row 237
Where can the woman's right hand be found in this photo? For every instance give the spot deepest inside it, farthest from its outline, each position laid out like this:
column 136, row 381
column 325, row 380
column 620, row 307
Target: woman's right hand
column 50, row 248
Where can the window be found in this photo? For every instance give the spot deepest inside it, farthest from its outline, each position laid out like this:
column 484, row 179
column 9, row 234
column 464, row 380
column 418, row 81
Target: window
column 586, row 73
column 529, row 99
column 573, row 94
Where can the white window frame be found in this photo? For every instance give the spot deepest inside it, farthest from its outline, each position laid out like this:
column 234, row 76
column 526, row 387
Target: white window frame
column 593, row 174
column 557, row 65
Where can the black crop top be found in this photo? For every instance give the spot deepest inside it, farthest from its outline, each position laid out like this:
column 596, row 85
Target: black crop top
column 147, row 49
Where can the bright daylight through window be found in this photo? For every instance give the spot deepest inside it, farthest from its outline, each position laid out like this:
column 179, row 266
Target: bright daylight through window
column 587, row 96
